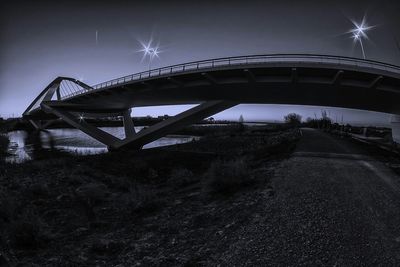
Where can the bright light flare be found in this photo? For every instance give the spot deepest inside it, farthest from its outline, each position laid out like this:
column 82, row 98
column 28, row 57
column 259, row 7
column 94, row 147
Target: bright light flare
column 359, row 32
column 150, row 51
column 81, row 118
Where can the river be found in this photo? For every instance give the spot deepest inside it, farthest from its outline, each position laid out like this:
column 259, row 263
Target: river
column 75, row 141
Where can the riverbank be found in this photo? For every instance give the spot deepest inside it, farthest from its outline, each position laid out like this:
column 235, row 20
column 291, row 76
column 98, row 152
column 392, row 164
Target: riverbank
column 15, row 124
column 162, row 206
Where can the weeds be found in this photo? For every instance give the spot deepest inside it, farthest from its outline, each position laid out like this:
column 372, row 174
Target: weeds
column 227, row 177
column 21, row 228
column 142, row 199
column 182, row 177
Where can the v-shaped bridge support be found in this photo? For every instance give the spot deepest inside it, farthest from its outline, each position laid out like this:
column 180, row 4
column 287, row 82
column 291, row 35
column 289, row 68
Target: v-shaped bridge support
column 137, row 140
column 67, row 112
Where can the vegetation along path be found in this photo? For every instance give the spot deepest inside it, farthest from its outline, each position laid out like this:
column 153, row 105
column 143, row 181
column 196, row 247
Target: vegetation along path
column 266, row 197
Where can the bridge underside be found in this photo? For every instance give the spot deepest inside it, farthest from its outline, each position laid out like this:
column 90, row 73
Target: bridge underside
column 217, row 90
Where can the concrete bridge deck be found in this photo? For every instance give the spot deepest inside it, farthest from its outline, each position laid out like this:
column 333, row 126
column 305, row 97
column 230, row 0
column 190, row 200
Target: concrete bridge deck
column 218, row 84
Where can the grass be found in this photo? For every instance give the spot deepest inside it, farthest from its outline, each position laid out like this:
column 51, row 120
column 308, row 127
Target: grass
column 72, row 205
column 142, row 199
column 228, row 177
column 20, row 226
column 182, row 177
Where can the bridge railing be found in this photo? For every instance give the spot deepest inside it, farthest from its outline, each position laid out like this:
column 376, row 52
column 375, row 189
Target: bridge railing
column 244, row 60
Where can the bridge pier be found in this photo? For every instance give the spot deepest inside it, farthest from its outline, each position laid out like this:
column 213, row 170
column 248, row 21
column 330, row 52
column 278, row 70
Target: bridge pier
column 395, row 123
column 82, row 125
column 175, row 123
column 36, row 124
column 154, row 132
column 129, row 127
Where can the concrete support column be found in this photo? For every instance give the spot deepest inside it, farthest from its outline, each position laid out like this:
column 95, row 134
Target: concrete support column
column 128, row 124
column 175, row 123
column 101, row 136
column 396, row 128
column 36, row 124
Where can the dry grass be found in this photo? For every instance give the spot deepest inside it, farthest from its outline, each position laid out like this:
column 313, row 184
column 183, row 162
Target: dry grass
column 21, row 227
column 227, row 177
column 183, row 177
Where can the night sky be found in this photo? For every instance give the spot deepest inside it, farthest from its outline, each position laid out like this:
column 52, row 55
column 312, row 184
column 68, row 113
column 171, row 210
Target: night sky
column 40, row 40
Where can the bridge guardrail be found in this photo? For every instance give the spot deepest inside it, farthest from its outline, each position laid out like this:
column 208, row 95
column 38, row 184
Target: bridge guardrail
column 244, row 60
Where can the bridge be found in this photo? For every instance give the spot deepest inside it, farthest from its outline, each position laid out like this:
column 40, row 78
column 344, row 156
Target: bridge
column 219, row 84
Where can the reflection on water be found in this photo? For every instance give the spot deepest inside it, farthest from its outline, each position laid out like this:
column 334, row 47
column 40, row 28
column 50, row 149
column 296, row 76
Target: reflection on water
column 73, row 140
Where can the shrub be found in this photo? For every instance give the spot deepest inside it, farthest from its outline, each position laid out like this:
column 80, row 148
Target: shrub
column 293, row 119
column 182, row 177
column 228, row 176
column 142, row 199
column 27, row 231
column 7, row 207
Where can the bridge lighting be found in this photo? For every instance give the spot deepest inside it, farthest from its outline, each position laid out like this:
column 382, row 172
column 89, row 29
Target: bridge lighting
column 359, row 32
column 149, row 51
column 81, row 118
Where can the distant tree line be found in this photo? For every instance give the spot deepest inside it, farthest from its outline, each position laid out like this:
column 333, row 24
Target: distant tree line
column 325, row 123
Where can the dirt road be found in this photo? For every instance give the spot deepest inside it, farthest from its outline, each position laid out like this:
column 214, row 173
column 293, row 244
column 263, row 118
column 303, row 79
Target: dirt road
column 334, row 205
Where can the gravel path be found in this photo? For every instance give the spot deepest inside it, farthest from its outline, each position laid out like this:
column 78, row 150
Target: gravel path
column 333, row 206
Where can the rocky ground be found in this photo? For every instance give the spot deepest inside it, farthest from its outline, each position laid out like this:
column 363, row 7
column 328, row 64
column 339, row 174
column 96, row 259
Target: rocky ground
column 181, row 205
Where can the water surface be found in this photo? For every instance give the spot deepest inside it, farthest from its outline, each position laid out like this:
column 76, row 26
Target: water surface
column 73, row 140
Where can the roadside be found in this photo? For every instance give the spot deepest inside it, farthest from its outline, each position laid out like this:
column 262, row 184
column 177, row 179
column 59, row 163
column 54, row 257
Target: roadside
column 330, row 202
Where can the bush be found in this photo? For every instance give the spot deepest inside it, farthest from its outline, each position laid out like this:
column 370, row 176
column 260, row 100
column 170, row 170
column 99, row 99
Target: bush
column 142, row 199
column 182, row 177
column 293, row 119
column 228, row 176
column 25, row 231
column 7, row 207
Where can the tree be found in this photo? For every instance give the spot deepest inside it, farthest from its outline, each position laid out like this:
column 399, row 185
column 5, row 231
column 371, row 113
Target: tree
column 293, row 119
column 325, row 120
column 241, row 120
